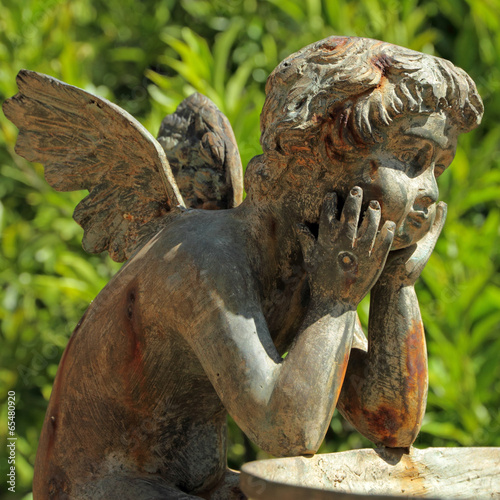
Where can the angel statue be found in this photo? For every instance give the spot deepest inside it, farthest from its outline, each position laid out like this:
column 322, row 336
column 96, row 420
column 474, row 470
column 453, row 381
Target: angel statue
column 196, row 324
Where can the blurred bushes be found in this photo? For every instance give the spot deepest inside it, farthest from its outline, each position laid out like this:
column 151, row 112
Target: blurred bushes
column 147, row 56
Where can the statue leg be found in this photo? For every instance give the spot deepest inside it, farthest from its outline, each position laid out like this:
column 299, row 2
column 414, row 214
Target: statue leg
column 127, row 488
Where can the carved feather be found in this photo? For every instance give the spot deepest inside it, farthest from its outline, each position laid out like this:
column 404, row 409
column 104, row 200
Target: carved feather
column 86, row 142
column 201, row 149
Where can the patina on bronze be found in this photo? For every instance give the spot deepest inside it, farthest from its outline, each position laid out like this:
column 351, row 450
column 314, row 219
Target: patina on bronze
column 343, row 201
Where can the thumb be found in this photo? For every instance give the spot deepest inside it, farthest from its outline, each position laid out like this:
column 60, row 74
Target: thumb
column 441, row 212
column 428, row 243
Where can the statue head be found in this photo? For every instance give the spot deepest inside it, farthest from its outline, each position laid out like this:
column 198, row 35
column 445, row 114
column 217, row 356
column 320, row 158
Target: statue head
column 336, row 99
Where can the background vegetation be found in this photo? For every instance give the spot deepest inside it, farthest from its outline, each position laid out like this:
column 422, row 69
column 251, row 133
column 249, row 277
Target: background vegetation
column 147, row 56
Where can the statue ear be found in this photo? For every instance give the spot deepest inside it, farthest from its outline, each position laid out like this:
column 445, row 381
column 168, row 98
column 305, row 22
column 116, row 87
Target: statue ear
column 262, row 172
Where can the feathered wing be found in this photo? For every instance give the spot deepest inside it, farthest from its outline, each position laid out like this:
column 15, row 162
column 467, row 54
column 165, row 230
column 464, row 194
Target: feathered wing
column 201, row 149
column 86, row 142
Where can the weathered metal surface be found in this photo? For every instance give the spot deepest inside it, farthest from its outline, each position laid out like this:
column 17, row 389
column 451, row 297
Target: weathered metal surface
column 439, row 473
column 86, row 142
column 342, row 202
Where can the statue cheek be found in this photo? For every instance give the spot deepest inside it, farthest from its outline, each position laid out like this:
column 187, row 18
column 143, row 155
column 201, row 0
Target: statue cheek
column 393, row 197
column 405, row 198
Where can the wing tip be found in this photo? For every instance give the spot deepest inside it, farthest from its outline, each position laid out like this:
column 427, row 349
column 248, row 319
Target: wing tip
column 23, row 72
column 6, row 107
column 10, row 105
column 197, row 99
column 12, row 109
column 24, row 76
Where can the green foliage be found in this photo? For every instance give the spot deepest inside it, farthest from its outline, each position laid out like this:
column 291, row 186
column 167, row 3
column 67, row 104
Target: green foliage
column 147, row 56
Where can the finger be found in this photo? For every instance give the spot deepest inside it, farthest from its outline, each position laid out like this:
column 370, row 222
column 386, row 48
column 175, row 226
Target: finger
column 306, row 241
column 441, row 212
column 350, row 214
column 426, row 245
column 368, row 230
column 428, row 242
column 328, row 218
column 383, row 243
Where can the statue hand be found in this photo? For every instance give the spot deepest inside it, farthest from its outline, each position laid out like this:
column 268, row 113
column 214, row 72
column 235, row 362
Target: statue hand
column 345, row 261
column 403, row 267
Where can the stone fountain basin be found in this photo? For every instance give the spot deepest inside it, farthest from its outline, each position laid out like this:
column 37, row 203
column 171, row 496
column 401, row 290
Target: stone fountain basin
column 377, row 474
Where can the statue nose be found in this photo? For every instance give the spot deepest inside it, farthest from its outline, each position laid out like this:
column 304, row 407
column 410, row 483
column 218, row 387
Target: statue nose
column 427, row 194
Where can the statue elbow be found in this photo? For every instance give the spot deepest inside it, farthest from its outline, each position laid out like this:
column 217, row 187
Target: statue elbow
column 386, row 425
column 403, row 436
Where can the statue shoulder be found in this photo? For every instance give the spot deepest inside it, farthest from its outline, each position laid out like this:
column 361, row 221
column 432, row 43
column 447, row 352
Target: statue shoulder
column 203, row 243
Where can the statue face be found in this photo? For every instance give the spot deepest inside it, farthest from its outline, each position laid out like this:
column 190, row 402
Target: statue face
column 401, row 173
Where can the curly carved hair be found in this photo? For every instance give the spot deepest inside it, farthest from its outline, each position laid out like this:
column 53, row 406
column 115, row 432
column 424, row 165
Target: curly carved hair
column 344, row 90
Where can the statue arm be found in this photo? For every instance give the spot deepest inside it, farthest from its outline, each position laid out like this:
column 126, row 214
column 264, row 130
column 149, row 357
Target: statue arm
column 385, row 390
column 285, row 405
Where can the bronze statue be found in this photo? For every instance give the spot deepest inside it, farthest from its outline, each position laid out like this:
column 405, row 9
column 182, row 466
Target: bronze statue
column 342, row 202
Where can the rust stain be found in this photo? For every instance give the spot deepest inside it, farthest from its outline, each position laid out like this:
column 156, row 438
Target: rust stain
column 304, row 162
column 411, row 481
column 300, row 148
column 134, row 377
column 396, row 424
column 416, row 366
column 132, row 327
column 333, row 44
column 384, row 422
column 58, row 486
column 131, row 369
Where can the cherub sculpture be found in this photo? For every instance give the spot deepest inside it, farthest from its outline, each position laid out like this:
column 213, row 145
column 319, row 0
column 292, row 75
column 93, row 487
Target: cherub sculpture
column 342, row 202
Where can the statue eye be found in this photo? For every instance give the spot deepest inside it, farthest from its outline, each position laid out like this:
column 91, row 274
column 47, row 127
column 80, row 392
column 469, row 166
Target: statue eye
column 416, row 161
